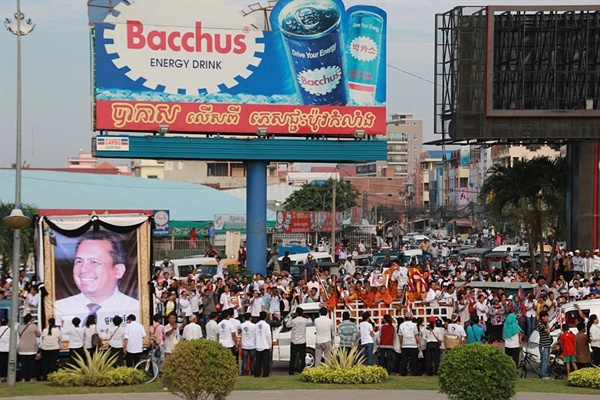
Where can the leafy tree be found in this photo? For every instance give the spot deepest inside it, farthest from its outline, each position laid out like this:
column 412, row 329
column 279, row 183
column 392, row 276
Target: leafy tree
column 7, row 236
column 318, row 197
column 524, row 191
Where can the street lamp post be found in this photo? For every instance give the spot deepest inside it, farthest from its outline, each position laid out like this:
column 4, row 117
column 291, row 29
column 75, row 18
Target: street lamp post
column 16, row 220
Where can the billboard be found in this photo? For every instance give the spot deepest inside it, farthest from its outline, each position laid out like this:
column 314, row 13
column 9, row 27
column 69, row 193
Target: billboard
column 230, row 222
column 96, row 268
column 300, row 67
column 307, row 221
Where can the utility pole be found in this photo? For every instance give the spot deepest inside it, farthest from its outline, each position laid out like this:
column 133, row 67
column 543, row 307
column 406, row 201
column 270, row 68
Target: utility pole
column 333, row 216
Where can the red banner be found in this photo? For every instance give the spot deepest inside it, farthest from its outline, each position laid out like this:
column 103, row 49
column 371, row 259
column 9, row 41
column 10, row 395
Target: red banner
column 306, row 221
column 117, row 115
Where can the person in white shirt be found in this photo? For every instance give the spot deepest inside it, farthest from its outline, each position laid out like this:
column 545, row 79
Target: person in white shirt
column 74, row 335
column 248, row 329
column 220, row 268
column 324, row 336
column 172, row 336
column 256, row 305
column 264, row 346
column 133, row 343
column 116, row 339
column 226, row 333
column 410, row 344
column 350, row 265
column 575, row 293
column 365, row 329
column 433, row 295
column 33, row 299
column 455, row 328
column 212, row 328
column 4, row 347
column 482, row 308
column 298, row 343
column 192, row 331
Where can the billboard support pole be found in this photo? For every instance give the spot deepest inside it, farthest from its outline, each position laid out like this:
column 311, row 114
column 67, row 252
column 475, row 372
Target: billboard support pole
column 256, row 222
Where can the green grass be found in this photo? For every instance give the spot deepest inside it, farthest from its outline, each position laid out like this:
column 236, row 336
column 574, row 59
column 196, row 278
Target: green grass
column 291, row 383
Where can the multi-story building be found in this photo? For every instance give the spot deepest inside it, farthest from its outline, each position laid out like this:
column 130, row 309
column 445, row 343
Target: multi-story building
column 405, row 143
column 429, row 161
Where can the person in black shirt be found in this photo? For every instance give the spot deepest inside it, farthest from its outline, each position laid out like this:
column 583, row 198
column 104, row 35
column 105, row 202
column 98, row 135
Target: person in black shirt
column 286, row 262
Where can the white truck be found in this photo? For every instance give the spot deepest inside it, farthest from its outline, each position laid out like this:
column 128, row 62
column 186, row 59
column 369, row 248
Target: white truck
column 282, row 334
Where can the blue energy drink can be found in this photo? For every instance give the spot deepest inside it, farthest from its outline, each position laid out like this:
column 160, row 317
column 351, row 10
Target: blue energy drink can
column 364, row 54
column 312, row 35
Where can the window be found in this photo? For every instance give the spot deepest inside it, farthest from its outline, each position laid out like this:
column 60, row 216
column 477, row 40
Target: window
column 414, row 158
column 464, row 182
column 415, row 123
column 152, row 177
column 415, row 136
column 414, row 168
column 218, row 169
column 415, row 147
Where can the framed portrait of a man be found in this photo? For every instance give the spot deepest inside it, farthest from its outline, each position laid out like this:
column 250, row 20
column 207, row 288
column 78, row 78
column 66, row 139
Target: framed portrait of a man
column 95, row 272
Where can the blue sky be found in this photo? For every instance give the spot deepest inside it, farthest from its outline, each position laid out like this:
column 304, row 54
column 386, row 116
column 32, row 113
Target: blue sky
column 56, row 72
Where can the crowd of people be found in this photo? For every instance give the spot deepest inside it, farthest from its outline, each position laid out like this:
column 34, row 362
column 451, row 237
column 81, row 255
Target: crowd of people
column 240, row 312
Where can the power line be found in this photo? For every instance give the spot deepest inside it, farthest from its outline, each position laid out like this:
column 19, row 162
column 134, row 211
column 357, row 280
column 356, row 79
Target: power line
column 411, row 74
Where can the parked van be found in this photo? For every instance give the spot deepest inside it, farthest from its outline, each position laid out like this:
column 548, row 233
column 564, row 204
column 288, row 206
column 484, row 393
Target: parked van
column 206, row 267
column 301, row 258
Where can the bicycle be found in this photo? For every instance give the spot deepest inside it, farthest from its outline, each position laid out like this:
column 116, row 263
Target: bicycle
column 555, row 369
column 151, row 365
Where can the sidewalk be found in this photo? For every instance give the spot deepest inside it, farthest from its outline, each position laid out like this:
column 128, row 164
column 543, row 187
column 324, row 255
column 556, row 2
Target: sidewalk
column 301, row 395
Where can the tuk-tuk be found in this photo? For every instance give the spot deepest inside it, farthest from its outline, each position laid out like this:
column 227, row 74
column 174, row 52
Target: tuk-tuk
column 478, row 252
column 496, row 260
column 362, row 260
column 510, row 288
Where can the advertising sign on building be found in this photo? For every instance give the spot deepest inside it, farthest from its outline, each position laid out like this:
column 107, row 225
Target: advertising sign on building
column 300, row 67
column 161, row 223
column 465, row 156
column 307, row 221
column 463, row 197
column 230, row 222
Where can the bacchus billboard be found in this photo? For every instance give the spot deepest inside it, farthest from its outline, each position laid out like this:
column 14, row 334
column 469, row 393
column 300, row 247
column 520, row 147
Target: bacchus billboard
column 300, row 67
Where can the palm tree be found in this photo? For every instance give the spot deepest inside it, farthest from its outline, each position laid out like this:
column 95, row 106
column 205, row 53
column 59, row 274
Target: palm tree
column 519, row 189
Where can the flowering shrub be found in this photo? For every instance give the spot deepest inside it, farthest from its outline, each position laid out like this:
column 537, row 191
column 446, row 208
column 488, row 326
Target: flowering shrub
column 352, row 375
column 585, row 377
column 114, row 377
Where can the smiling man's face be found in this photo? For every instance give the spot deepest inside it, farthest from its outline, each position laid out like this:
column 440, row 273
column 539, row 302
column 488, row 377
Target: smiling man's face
column 94, row 271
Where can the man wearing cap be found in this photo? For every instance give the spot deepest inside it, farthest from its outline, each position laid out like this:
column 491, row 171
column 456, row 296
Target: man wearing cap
column 456, row 328
column 577, row 263
column 310, row 267
column 575, row 292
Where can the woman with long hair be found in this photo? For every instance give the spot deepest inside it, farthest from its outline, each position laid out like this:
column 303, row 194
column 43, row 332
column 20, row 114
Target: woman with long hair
column 593, row 330
column 386, row 333
column 89, row 331
column 51, row 342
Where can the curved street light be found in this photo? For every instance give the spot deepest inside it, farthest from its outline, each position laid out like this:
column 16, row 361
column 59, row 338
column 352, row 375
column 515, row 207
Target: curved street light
column 16, row 220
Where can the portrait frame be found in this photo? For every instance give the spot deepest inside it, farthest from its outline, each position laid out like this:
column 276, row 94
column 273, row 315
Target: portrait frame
column 135, row 231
